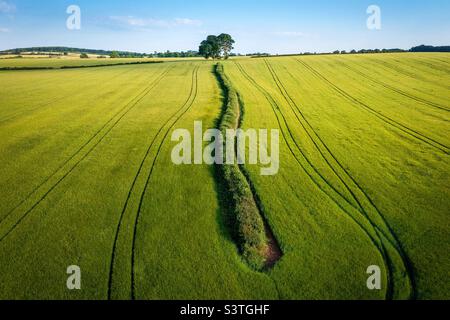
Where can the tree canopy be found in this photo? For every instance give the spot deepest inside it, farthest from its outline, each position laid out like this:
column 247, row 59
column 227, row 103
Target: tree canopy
column 217, row 47
column 114, row 55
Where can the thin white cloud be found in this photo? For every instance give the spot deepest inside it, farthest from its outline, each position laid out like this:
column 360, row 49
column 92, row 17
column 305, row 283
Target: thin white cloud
column 296, row 34
column 138, row 22
column 4, row 30
column 6, row 7
column 132, row 21
column 187, row 22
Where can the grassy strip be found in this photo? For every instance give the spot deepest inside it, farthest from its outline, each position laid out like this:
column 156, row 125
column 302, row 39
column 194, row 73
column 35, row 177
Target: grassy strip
column 246, row 221
column 78, row 67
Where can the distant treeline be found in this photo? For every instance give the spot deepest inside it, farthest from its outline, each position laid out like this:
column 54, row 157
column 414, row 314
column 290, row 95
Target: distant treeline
column 421, row 48
column 258, row 54
column 170, row 54
column 362, row 51
column 59, row 51
column 424, row 48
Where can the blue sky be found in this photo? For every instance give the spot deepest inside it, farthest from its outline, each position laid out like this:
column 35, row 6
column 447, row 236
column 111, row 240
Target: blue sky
column 275, row 26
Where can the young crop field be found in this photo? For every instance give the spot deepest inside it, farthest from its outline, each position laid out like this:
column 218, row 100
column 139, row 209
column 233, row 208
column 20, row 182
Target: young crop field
column 56, row 63
column 87, row 178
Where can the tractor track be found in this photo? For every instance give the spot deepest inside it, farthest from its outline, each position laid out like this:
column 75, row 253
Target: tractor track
column 447, row 63
column 55, row 100
column 431, row 66
column 79, row 150
column 127, row 108
column 275, row 105
column 408, row 131
column 403, row 93
column 291, row 102
column 174, row 118
column 385, row 229
column 400, row 70
column 141, row 201
column 377, row 244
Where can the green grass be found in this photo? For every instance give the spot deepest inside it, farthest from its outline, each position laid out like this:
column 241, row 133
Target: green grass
column 65, row 62
column 364, row 167
column 87, row 179
column 91, row 144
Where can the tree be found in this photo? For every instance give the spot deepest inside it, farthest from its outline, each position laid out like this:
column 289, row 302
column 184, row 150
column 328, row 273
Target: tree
column 226, row 44
column 216, row 47
column 210, row 48
column 84, row 56
column 114, row 55
column 205, row 49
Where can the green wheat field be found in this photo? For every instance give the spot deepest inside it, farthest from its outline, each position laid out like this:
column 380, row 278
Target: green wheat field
column 86, row 178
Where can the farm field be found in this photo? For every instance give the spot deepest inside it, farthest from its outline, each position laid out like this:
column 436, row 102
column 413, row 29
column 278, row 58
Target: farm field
column 87, row 179
column 65, row 62
column 75, row 61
